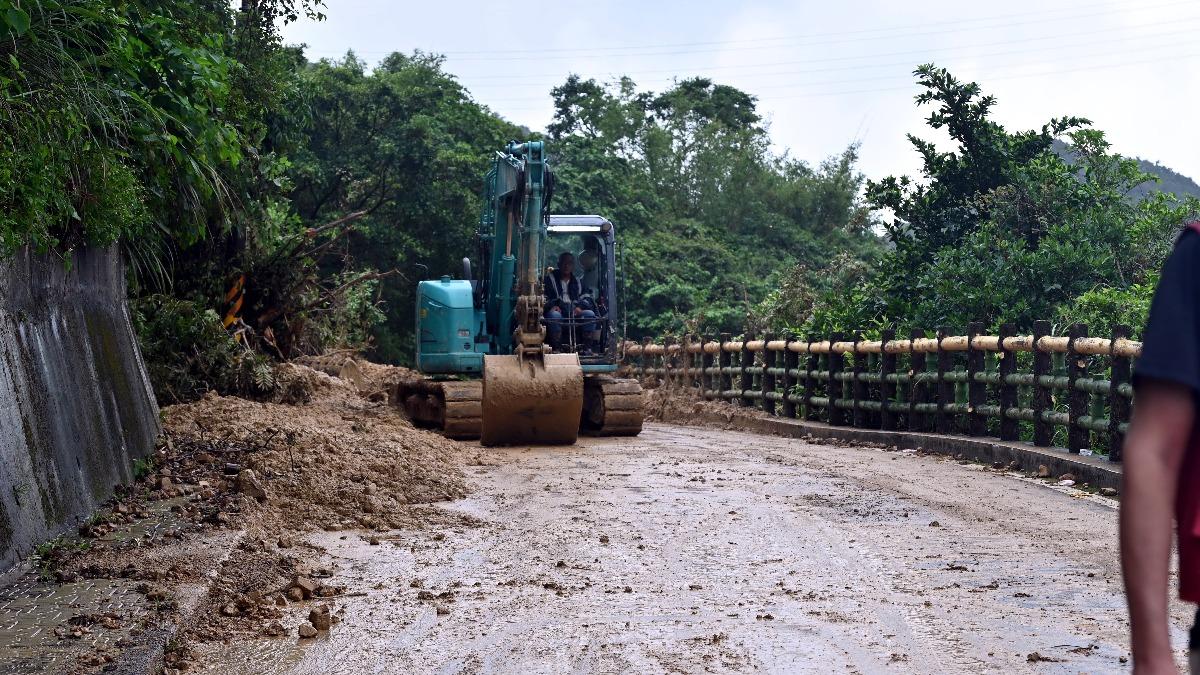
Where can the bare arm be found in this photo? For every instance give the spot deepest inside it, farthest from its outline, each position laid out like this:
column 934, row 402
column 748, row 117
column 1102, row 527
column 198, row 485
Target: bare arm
column 1154, row 451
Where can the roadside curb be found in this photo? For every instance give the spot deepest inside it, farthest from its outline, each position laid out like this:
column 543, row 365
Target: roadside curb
column 147, row 655
column 1095, row 471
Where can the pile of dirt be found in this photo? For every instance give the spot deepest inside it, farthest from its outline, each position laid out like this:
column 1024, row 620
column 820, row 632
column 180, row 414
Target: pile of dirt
column 372, row 380
column 385, row 377
column 336, row 461
column 669, row 402
column 327, row 454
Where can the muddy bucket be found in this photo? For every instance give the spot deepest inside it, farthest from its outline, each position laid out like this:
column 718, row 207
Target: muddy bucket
column 535, row 401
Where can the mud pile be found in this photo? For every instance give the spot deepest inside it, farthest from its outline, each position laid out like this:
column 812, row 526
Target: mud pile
column 669, row 402
column 233, row 487
column 332, row 460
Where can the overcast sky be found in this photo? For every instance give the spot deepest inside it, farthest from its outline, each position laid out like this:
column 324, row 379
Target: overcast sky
column 826, row 73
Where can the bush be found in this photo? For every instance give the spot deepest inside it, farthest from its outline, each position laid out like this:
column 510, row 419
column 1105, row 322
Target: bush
column 188, row 352
column 1102, row 308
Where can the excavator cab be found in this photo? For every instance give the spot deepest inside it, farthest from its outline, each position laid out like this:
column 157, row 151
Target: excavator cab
column 591, row 333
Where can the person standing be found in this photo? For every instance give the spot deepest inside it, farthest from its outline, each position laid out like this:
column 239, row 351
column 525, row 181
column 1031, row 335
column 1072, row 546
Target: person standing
column 1161, row 479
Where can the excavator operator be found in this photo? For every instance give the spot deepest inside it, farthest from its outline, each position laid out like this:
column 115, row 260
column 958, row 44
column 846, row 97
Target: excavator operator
column 565, row 297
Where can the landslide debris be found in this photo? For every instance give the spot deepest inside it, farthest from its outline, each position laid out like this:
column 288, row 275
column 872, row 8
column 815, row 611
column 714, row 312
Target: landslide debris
column 326, row 454
column 666, row 401
column 337, row 461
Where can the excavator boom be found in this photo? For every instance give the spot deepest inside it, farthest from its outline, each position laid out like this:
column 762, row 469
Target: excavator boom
column 529, row 396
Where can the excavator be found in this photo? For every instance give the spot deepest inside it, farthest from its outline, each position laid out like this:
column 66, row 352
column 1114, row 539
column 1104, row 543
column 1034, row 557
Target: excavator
column 488, row 369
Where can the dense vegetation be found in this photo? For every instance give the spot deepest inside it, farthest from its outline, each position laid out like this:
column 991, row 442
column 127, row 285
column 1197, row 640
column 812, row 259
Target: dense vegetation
column 1003, row 228
column 212, row 152
column 216, row 157
column 709, row 217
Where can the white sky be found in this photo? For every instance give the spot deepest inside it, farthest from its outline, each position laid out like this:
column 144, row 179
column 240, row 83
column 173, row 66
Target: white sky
column 826, row 73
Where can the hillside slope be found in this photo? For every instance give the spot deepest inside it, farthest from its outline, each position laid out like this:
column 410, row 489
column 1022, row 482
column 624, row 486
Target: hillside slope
column 1168, row 179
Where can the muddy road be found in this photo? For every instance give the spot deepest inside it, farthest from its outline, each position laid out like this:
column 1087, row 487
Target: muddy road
column 695, row 550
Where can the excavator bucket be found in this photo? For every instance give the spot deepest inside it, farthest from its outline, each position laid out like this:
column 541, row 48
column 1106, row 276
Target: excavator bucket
column 531, row 401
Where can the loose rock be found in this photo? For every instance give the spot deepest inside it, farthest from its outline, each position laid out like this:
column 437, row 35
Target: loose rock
column 307, row 586
column 247, row 484
column 319, row 617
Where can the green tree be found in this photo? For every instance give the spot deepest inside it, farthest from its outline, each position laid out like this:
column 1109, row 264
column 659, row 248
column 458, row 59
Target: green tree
column 689, row 179
column 406, row 146
column 1003, row 229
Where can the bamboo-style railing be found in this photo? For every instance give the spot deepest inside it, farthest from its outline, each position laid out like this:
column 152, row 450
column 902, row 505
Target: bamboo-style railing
column 1015, row 387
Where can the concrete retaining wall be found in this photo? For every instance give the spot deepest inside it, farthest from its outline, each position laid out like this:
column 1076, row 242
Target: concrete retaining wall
column 76, row 407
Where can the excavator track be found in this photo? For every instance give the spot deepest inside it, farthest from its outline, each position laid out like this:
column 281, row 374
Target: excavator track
column 612, row 406
column 454, row 407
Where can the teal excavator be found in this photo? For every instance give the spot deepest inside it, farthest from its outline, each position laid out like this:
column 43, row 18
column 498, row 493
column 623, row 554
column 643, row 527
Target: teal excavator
column 488, row 369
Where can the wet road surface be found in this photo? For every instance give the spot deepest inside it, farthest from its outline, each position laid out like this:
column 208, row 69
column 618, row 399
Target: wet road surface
column 696, row 550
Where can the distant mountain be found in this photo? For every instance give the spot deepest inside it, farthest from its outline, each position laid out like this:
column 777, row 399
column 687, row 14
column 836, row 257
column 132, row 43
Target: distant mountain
column 1168, row 180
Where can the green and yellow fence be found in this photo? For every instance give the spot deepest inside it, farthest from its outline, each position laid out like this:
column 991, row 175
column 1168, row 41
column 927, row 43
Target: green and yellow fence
column 1072, row 390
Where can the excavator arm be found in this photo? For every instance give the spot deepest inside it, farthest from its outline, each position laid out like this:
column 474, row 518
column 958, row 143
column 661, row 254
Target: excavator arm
column 529, row 394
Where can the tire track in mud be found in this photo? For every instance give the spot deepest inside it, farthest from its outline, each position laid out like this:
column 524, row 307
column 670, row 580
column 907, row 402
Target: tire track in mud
column 696, row 550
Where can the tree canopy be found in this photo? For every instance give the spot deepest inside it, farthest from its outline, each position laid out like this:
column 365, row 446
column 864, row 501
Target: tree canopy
column 291, row 206
column 1002, row 228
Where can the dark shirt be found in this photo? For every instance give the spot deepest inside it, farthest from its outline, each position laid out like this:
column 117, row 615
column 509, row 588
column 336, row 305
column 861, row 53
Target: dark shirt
column 581, row 296
column 553, row 291
column 1171, row 341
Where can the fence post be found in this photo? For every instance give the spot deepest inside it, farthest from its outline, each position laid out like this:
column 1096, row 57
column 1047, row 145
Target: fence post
column 644, row 358
column 887, row 388
column 668, row 373
column 976, row 391
column 1118, row 404
column 681, row 361
column 837, row 360
column 689, row 361
column 945, row 388
column 767, row 381
column 812, row 365
column 745, row 377
column 678, row 362
column 790, row 360
column 685, row 359
column 1077, row 436
column 725, row 362
column 693, row 360
column 858, row 388
column 1009, row 427
column 705, row 365
column 917, row 391
column 1041, row 393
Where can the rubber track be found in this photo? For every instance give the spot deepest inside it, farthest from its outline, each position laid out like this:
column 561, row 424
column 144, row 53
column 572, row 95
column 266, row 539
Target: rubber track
column 612, row 406
column 453, row 407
